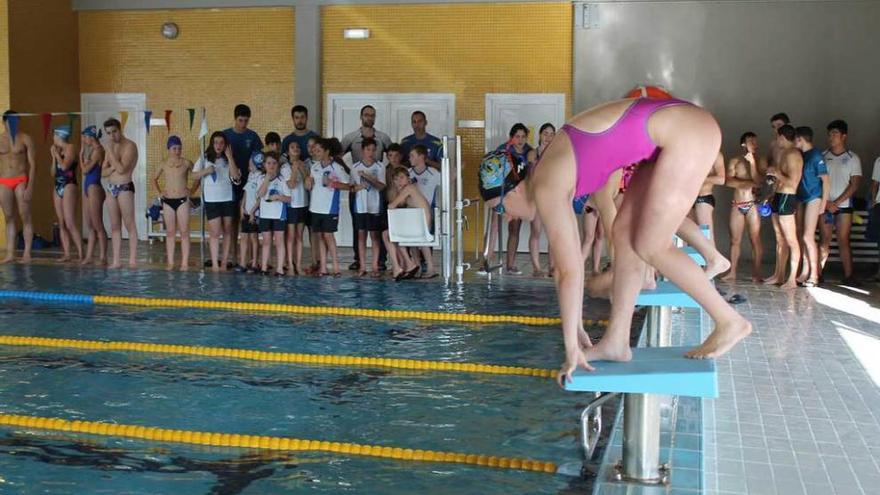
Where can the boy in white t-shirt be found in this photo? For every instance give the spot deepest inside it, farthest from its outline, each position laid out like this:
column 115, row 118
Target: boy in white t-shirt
column 368, row 184
column 845, row 176
column 274, row 196
column 250, row 229
column 327, row 179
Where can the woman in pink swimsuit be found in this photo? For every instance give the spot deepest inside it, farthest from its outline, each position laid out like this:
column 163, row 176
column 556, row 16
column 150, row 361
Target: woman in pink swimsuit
column 676, row 143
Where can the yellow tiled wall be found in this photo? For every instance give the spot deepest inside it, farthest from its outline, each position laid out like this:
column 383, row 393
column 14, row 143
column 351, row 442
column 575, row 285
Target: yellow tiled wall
column 222, row 57
column 466, row 49
column 43, row 77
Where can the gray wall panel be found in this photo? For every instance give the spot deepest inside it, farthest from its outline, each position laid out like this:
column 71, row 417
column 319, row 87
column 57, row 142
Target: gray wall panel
column 744, row 61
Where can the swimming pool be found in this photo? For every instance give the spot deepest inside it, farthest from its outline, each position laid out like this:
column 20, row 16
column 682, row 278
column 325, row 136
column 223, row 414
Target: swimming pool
column 515, row 416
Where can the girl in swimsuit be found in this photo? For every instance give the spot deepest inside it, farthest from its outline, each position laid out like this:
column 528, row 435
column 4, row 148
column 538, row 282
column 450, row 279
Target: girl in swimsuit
column 681, row 141
column 91, row 156
column 65, row 197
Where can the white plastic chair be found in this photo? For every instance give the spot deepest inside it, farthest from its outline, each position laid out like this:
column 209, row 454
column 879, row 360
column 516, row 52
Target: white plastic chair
column 409, row 227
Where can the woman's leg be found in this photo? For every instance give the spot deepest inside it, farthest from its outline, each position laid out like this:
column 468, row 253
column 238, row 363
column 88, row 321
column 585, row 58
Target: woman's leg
column 170, row 229
column 71, row 197
column 96, row 220
column 289, row 247
column 228, row 239
column 535, row 229
column 715, row 262
column 267, row 245
column 330, row 242
column 87, row 225
column 298, row 248
column 58, row 203
column 279, row 251
column 215, row 230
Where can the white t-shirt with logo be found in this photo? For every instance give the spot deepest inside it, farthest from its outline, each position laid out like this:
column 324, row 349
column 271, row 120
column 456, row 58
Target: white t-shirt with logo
column 218, row 186
column 324, row 200
column 428, row 183
column 368, row 200
column 299, row 197
column 250, row 190
column 840, row 168
column 274, row 210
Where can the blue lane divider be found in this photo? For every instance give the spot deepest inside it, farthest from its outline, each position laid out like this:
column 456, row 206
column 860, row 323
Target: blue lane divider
column 46, row 296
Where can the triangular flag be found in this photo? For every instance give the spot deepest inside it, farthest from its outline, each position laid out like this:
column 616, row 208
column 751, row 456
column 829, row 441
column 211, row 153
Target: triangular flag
column 123, row 118
column 12, row 123
column 168, row 120
column 71, row 118
column 203, row 131
column 192, row 116
column 147, row 115
column 46, row 118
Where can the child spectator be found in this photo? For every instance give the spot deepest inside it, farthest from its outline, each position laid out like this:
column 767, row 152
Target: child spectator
column 326, row 179
column 249, row 242
column 368, row 182
column 274, row 196
column 298, row 210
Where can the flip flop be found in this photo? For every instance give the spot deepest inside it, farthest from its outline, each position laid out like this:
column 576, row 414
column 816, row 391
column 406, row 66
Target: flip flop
column 411, row 274
column 736, row 299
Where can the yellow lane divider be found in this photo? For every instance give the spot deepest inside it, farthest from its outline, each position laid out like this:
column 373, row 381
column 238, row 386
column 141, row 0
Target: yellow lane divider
column 281, row 357
column 335, row 311
column 271, row 443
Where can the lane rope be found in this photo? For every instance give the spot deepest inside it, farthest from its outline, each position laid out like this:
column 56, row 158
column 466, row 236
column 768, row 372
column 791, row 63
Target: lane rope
column 288, row 308
column 216, row 439
column 279, row 357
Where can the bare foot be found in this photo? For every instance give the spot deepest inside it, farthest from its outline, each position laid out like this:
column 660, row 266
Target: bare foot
column 605, row 351
column 85, row 261
column 25, row 258
column 169, row 267
column 757, row 279
column 722, row 339
column 771, row 280
column 730, row 277
column 64, row 259
column 7, row 259
column 116, row 265
column 716, row 266
column 132, row 263
column 215, row 269
column 791, row 284
column 184, row 268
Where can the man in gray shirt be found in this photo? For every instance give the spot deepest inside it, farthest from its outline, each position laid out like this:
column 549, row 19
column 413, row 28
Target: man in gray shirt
column 352, row 141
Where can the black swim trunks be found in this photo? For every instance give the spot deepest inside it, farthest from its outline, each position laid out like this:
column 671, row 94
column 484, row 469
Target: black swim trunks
column 783, row 204
column 709, row 199
column 174, row 203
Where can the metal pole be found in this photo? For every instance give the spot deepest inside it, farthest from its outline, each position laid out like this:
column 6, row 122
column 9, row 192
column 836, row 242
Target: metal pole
column 445, row 213
column 459, row 215
column 202, row 191
column 641, row 414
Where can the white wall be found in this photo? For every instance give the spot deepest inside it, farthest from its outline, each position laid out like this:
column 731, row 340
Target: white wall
column 744, row 61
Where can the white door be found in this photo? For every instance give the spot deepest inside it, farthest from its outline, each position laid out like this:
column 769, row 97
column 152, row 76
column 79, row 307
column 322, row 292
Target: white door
column 503, row 110
column 98, row 107
column 393, row 117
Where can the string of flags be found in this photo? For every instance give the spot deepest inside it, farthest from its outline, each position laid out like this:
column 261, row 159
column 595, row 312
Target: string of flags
column 12, row 120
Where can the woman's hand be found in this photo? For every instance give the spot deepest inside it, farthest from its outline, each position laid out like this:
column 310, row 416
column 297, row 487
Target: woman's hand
column 573, row 359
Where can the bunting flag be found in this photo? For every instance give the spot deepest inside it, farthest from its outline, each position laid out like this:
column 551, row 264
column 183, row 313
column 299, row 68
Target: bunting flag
column 12, row 123
column 168, row 120
column 203, row 131
column 123, row 118
column 192, row 116
column 46, row 118
column 71, row 119
column 147, row 115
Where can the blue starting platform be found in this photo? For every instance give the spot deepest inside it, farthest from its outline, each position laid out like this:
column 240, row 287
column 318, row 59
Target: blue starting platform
column 653, row 370
column 694, row 255
column 666, row 294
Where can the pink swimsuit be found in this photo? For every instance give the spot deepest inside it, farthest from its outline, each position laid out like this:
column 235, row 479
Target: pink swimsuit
column 599, row 154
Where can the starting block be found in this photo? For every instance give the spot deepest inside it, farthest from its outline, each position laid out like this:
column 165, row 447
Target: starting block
column 653, row 370
column 666, row 294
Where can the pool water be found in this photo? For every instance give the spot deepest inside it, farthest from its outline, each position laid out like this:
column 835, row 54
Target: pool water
column 523, row 417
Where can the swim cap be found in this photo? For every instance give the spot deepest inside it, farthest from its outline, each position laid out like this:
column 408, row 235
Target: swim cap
column 63, row 131
column 91, row 131
column 258, row 158
column 500, row 172
column 174, row 141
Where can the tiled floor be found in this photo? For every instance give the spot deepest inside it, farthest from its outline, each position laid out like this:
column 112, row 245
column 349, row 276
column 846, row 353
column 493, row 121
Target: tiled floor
column 798, row 412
